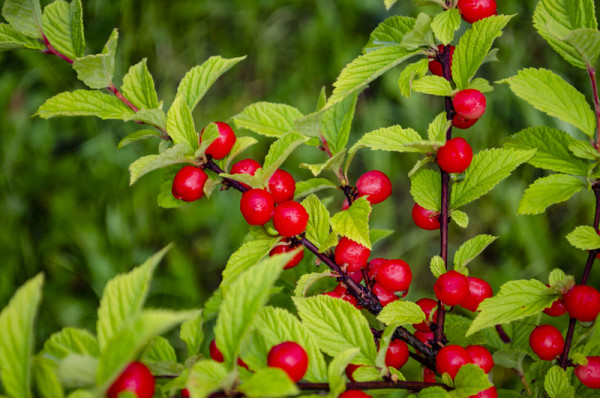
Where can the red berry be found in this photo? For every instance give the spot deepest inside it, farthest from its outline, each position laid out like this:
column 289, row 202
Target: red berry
column 375, row 186
column 427, row 305
column 288, row 248
column 479, row 290
column 558, row 308
column 397, row 354
column 246, row 166
column 547, row 342
column 333, row 294
column 425, row 219
column 214, row 352
column 583, row 303
column 461, row 123
column 345, row 205
column 352, row 300
column 357, row 276
column 455, row 156
column 185, row 393
column 188, row 184
column 469, row 103
column 451, row 288
column 282, row 186
column 424, row 337
column 475, row 10
column 354, row 394
column 589, row 375
column 435, row 66
column 385, row 296
column 350, row 370
column 290, row 219
column 373, row 267
column 257, row 206
column 136, row 378
column 223, row 144
column 394, row 275
column 351, row 253
column 428, row 375
column 481, row 357
column 450, row 359
column 291, row 358
column 489, row 393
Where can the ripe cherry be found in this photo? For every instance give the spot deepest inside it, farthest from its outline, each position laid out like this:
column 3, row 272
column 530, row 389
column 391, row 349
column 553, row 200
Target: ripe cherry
column 136, row 378
column 450, row 359
column 188, row 184
column 428, row 375
column 245, row 166
column 288, row 248
column 558, row 308
column 357, row 276
column 354, row 394
column 257, row 206
column 489, row 393
column 290, row 219
column 291, row 358
column 425, row 219
column 345, row 205
column 547, row 342
column 397, row 354
column 375, row 186
column 394, row 275
column 481, row 357
column 475, row 10
column 427, row 305
column 223, row 144
column 455, row 156
column 435, row 66
column 373, row 267
column 589, row 375
column 185, row 393
column 479, row 290
column 424, row 337
column 351, row 253
column 451, row 288
column 461, row 123
column 350, row 370
column 384, row 295
column 469, row 103
column 583, row 303
column 282, row 186
column 214, row 352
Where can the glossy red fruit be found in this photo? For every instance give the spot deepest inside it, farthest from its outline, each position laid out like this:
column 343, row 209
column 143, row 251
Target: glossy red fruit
column 435, row 66
column 357, row 276
column 479, row 290
column 428, row 375
column 291, row 358
column 354, row 394
column 350, row 370
column 385, row 296
column 223, row 144
column 245, row 166
column 352, row 300
column 214, row 352
column 333, row 294
column 394, row 275
column 589, row 375
column 424, row 337
column 282, row 186
column 290, row 219
column 425, row 219
column 450, row 359
column 373, row 267
column 351, row 253
column 451, row 288
column 345, row 205
column 547, row 342
column 185, row 393
column 489, row 393
column 455, row 156
column 475, row 10
column 461, row 123
column 136, row 378
column 397, row 354
column 375, row 186
column 583, row 303
column 427, row 305
column 288, row 248
column 188, row 184
column 558, row 308
column 469, row 103
column 481, row 357
column 257, row 206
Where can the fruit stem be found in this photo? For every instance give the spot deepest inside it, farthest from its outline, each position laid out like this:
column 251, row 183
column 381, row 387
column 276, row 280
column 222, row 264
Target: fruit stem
column 592, row 72
column 52, row 50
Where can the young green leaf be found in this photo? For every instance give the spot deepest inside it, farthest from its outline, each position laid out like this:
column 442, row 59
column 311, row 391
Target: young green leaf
column 584, row 150
column 587, row 44
column 45, row 378
column 335, row 371
column 206, row 377
column 159, row 349
column 366, row 373
column 138, row 136
column 438, row 127
column 384, row 344
column 584, row 238
column 471, row 249
column 174, row 155
column 191, row 333
column 279, row 152
column 208, row 135
column 401, row 313
column 389, row 3
column 25, row 16
column 433, row 392
column 269, row 383
column 469, row 381
column 434, row 85
column 547, row 191
column 557, row 385
column 481, row 85
column 10, row 39
column 421, row 35
column 269, row 119
column 389, row 33
column 71, row 341
column 445, row 24
column 317, row 229
column 425, row 188
column 551, row 94
column 138, row 86
column 333, row 164
column 354, row 222
column 97, row 71
column 304, row 188
column 410, row 73
column 455, row 328
column 379, row 234
column 84, row 103
column 77, row 371
column 307, row 280
column 180, row 124
column 152, row 117
column 460, row 218
column 437, row 266
column 63, row 27
column 336, row 123
column 241, row 144
column 244, row 258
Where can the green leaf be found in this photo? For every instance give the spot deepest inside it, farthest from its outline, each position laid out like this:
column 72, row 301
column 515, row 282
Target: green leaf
column 241, row 144
column 556, row 276
column 426, row 189
column 153, row 117
column 552, row 149
column 460, row 218
column 366, row 373
column 25, row 16
column 191, row 333
column 200, row 78
column 279, row 151
column 401, row 313
column 268, row 119
column 473, row 47
column 584, row 150
column 159, row 349
column 180, row 124
column 557, row 385
column 469, row 381
column 456, row 327
column 389, row 33
column 337, row 326
column 267, row 383
column 11, row 39
column 77, row 371
column 515, row 300
column 242, row 302
column 277, row 325
column 174, row 155
column 17, row 337
column 335, row 372
column 438, row 127
column 84, row 103
column 487, row 169
column 551, row 94
column 471, row 249
column 481, row 85
column 434, row 85
column 63, row 26
column 354, row 222
column 252, row 181
column 587, row 44
column 138, row 136
column 333, row 164
column 317, row 229
column 445, row 24
column 379, row 234
column 410, row 73
column 389, row 3
column 97, row 71
column 208, row 135
column 83, row 394
column 547, row 191
column 71, row 341
column 384, row 344
column 244, row 258
column 138, row 86
column 307, row 280
column 421, row 35
column 437, row 266
column 304, row 188
column 46, row 381
column 336, row 123
column 584, row 238
column 165, row 197
column 433, row 392
column 123, row 298
column 206, row 377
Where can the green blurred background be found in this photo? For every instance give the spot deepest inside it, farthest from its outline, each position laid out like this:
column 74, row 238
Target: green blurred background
column 67, row 208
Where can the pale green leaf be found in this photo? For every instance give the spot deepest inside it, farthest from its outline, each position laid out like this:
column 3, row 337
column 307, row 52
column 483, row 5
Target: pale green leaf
column 138, row 136
column 481, row 85
column 62, row 23
column 307, row 280
column 25, row 16
column 584, row 238
column 333, row 164
column 433, row 392
column 438, row 127
column 317, row 229
column 587, row 44
column 45, row 379
column 138, row 86
column 434, row 85
column 420, row 164
column 152, row 117
column 159, row 349
column 207, row 136
column 557, row 385
column 244, row 258
column 366, row 373
column 401, row 313
column 471, row 249
column 253, row 181
column 379, row 234
column 455, row 328
column 174, row 155
column 556, row 276
column 389, row 32
column 410, row 73
column 206, row 377
column 421, row 35
column 437, row 266
column 241, row 144
column 445, row 24
column 180, row 124
column 335, row 371
column 584, row 150
column 304, row 188
column 336, row 123
column 77, row 371
column 191, row 333
column 354, row 222
column 82, row 394
column 84, row 103
column 268, row 119
column 384, row 344
column 10, row 39
column 279, row 151
column 71, row 341
column 425, row 188
column 389, row 3
column 460, row 218
column 547, row 191
column 269, row 383
column 97, row 71
column 469, row 381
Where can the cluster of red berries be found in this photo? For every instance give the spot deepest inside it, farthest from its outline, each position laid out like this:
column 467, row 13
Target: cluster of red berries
column 453, row 288
column 396, row 357
column 452, row 357
column 582, row 302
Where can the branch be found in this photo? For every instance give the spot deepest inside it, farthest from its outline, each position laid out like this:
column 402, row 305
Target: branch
column 592, row 73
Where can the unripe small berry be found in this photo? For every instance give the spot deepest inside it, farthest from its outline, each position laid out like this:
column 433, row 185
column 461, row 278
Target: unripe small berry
column 354, row 394
column 282, row 186
column 136, row 378
column 384, row 295
column 257, row 206
column 397, row 354
column 435, row 66
column 469, row 103
column 455, row 156
column 291, row 358
column 481, row 357
column 450, row 359
column 427, row 305
column 589, row 375
column 351, row 253
column 223, row 144
column 394, row 275
column 288, row 248
column 451, row 288
column 479, row 290
column 290, row 219
column 245, row 166
column 375, row 186
column 583, row 303
column 547, row 342
column 425, row 219
column 461, row 123
column 188, row 184
column 475, row 10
